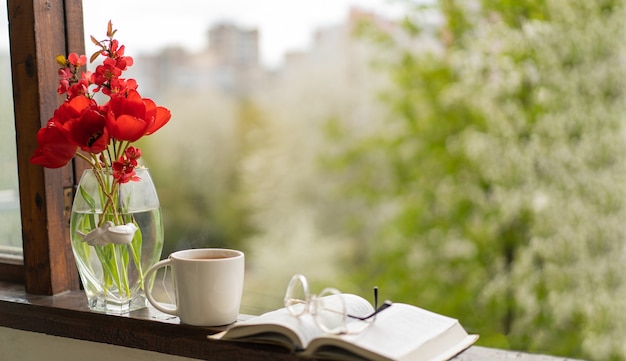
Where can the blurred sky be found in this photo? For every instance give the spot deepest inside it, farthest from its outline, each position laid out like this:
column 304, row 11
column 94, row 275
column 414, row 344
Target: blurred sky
column 148, row 25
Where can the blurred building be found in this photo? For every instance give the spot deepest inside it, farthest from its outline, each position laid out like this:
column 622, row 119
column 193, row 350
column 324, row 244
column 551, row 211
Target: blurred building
column 231, row 61
column 235, row 58
column 230, row 64
column 338, row 53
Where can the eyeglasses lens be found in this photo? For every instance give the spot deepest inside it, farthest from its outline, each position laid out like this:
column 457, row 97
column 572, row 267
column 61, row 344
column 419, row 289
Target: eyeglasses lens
column 297, row 295
column 330, row 311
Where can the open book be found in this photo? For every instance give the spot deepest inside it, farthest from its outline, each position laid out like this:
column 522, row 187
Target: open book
column 401, row 332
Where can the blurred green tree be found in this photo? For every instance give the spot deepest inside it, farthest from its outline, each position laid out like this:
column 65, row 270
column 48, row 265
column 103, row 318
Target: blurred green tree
column 499, row 176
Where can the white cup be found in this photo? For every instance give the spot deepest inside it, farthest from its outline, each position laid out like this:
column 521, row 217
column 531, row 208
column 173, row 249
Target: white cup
column 208, row 284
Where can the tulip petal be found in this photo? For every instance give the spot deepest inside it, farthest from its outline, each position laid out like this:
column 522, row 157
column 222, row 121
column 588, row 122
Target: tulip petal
column 163, row 116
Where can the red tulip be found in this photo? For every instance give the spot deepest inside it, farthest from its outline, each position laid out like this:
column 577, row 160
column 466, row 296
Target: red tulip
column 89, row 131
column 126, row 117
column 82, row 124
column 54, row 150
column 131, row 117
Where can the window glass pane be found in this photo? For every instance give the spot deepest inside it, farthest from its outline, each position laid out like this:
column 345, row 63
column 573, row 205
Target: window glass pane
column 10, row 224
column 250, row 89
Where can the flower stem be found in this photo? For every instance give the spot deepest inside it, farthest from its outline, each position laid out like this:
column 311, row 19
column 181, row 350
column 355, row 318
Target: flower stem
column 85, row 158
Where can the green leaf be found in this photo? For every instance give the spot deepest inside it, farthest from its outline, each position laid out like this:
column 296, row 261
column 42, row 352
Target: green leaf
column 90, row 201
column 135, row 249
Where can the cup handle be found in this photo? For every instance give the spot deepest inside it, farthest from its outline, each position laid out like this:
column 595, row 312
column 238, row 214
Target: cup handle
column 153, row 302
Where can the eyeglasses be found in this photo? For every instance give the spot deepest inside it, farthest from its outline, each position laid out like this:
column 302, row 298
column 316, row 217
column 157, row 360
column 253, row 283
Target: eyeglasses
column 329, row 309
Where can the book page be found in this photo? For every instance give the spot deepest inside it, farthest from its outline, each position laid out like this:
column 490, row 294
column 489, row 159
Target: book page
column 301, row 330
column 401, row 330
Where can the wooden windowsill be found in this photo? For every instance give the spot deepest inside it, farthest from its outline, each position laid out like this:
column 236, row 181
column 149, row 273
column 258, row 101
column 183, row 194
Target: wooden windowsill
column 67, row 315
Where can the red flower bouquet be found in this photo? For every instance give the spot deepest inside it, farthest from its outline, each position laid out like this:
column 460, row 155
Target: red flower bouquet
column 106, row 131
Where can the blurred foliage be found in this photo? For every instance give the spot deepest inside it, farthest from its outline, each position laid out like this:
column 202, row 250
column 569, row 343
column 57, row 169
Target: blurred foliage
column 195, row 169
column 499, row 176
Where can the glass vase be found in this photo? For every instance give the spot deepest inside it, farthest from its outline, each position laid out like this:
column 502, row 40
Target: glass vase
column 111, row 267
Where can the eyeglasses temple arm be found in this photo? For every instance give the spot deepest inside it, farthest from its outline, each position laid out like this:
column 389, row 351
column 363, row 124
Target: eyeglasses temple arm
column 382, row 307
column 375, row 297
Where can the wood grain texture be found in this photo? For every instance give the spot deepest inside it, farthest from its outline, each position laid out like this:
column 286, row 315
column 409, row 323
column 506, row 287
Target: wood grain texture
column 67, row 315
column 12, row 272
